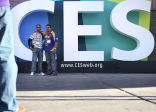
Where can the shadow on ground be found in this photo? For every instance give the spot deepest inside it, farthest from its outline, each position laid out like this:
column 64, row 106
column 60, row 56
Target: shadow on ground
column 86, row 81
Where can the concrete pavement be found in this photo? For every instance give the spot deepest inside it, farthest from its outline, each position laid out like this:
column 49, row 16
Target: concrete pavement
column 87, row 92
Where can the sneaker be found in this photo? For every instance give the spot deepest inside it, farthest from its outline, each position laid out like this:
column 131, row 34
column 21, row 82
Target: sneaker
column 21, row 109
column 32, row 73
column 42, row 74
column 54, row 74
column 49, row 74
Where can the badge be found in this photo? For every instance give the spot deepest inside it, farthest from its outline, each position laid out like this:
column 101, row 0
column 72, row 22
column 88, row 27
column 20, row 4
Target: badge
column 48, row 41
column 37, row 43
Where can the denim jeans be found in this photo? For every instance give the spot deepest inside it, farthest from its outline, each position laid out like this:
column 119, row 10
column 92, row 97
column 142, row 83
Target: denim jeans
column 8, row 67
column 37, row 53
column 51, row 62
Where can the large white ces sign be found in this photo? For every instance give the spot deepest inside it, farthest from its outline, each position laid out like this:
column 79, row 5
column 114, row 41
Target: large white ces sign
column 119, row 22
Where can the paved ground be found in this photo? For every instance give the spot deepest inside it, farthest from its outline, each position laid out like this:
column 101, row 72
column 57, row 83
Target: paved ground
column 87, row 92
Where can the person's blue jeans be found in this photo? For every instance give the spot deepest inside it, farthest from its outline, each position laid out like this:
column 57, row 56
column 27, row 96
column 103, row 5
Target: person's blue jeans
column 51, row 62
column 37, row 53
column 8, row 67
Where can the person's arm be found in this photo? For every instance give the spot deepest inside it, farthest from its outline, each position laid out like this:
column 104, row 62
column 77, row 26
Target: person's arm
column 43, row 39
column 43, row 35
column 4, row 3
column 54, row 48
column 56, row 43
column 30, row 42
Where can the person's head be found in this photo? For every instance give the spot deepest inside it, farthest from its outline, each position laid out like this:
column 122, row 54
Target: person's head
column 38, row 27
column 48, row 28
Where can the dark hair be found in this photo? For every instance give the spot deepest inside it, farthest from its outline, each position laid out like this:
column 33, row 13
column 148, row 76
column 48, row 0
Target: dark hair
column 38, row 25
column 48, row 25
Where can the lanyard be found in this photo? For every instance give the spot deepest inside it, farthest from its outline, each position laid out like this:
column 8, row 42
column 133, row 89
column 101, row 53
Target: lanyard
column 36, row 36
column 48, row 35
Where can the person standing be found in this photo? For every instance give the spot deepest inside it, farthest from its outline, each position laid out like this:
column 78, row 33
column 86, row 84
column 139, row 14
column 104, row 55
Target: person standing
column 50, row 45
column 35, row 43
column 8, row 66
